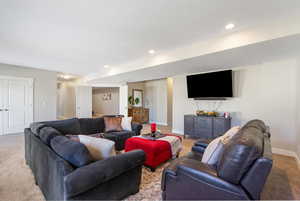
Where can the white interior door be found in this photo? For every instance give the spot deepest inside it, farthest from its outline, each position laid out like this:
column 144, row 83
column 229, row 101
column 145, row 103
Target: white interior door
column 2, row 95
column 83, row 101
column 17, row 104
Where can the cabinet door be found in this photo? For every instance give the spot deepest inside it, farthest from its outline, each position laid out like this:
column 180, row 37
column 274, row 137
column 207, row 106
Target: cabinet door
column 146, row 116
column 221, row 125
column 189, row 125
column 203, row 127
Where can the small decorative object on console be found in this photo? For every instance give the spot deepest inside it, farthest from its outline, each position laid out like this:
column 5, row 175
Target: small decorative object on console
column 206, row 113
column 226, row 115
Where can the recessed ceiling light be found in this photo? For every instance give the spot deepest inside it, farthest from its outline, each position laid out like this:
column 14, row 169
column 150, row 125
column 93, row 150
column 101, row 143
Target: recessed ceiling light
column 229, row 26
column 67, row 77
column 151, row 51
column 106, row 66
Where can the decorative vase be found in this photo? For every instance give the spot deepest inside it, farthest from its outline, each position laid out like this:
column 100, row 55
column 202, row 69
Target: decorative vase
column 153, row 128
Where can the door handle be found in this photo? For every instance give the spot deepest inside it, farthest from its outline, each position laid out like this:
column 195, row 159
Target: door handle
column 1, row 110
column 5, row 110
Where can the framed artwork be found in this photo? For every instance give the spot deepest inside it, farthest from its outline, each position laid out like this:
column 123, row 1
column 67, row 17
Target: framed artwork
column 106, row 96
column 137, row 97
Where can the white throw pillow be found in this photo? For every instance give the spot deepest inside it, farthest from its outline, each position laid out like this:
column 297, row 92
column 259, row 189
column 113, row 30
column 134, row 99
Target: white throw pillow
column 126, row 123
column 99, row 148
column 231, row 132
column 210, row 149
column 215, row 147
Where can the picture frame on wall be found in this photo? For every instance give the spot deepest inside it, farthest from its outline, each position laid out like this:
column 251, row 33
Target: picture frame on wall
column 106, row 96
column 137, row 97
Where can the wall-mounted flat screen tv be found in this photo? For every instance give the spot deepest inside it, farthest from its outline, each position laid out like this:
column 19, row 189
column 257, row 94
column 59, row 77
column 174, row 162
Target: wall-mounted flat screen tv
column 210, row 85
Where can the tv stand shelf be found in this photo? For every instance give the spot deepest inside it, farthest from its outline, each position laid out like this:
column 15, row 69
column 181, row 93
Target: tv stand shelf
column 206, row 127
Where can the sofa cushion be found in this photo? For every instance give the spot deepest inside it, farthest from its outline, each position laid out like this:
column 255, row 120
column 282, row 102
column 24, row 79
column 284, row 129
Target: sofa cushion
column 73, row 152
column 239, row 154
column 48, row 133
column 68, row 126
column 119, row 138
column 99, row 148
column 91, row 125
column 113, row 124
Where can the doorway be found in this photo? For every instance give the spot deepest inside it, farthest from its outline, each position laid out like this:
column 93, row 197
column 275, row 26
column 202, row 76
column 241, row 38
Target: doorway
column 16, row 104
column 106, row 101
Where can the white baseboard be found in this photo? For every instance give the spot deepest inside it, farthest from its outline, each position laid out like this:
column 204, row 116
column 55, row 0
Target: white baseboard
column 287, row 153
column 177, row 131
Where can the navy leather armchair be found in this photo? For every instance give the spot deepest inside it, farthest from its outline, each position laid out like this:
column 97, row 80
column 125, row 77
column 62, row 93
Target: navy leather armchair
column 240, row 174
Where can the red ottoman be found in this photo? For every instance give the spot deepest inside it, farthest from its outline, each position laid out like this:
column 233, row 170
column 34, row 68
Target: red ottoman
column 157, row 151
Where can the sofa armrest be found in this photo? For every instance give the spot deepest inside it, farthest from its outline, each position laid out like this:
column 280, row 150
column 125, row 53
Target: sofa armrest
column 198, row 149
column 208, row 179
column 136, row 128
column 202, row 143
column 197, row 175
column 89, row 176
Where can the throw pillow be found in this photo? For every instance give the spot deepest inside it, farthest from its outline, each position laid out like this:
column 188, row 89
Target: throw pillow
column 215, row 148
column 230, row 133
column 126, row 123
column 209, row 151
column 76, row 137
column 73, row 152
column 113, row 124
column 48, row 133
column 99, row 148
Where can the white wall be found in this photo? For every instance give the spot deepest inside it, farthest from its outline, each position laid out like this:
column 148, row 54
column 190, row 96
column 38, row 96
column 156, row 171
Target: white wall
column 123, row 93
column 266, row 91
column 107, row 107
column 170, row 101
column 298, row 109
column 66, row 100
column 155, row 98
column 44, row 89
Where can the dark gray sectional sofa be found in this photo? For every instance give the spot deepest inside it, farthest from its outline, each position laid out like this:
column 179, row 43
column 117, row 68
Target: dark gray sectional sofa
column 113, row 178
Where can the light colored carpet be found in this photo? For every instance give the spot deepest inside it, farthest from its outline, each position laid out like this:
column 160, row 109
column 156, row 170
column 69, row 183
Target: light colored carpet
column 17, row 183
column 16, row 179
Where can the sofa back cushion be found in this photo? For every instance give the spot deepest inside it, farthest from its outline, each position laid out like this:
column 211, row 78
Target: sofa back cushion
column 259, row 124
column 73, row 152
column 68, row 126
column 48, row 133
column 240, row 153
column 91, row 125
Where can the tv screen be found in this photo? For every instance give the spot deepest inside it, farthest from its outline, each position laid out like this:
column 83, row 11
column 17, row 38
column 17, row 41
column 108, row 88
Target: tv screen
column 210, row 85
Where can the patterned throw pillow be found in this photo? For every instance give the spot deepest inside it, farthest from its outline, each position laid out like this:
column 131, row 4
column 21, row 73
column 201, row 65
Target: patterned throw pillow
column 113, row 124
column 99, row 148
column 76, row 137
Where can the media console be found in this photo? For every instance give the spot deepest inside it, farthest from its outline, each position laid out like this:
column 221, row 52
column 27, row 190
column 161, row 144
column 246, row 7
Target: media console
column 206, row 127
